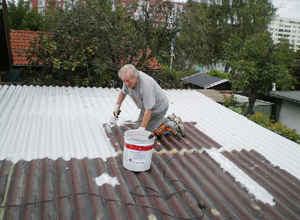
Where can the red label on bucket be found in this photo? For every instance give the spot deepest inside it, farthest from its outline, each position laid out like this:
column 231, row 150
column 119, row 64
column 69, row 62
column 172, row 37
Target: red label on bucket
column 139, row 148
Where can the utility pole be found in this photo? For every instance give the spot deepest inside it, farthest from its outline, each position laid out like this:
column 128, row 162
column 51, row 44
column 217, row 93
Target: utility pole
column 172, row 54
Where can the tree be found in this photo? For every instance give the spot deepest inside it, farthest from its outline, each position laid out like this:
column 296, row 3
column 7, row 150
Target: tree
column 257, row 63
column 83, row 46
column 192, row 43
column 208, row 26
column 89, row 43
column 22, row 18
column 296, row 71
column 154, row 23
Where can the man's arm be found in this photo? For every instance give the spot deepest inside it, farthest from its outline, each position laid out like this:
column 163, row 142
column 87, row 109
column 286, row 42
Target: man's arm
column 121, row 98
column 146, row 118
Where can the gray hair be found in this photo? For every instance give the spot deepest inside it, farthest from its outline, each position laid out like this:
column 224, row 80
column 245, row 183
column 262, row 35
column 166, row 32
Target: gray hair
column 134, row 72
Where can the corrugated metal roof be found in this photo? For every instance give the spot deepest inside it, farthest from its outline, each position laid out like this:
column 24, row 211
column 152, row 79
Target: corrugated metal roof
column 56, row 142
column 241, row 100
column 205, row 81
column 293, row 96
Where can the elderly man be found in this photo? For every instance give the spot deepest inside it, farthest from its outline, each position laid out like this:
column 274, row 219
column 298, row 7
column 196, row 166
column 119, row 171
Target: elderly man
column 148, row 96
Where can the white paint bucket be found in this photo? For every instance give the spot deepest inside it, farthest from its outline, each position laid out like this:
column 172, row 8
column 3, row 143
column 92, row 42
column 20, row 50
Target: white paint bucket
column 137, row 154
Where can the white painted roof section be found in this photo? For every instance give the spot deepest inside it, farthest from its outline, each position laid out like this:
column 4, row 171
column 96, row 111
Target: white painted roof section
column 253, row 187
column 216, row 83
column 39, row 122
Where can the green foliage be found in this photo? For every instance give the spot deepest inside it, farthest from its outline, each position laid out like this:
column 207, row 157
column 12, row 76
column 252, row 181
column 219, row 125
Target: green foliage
column 154, row 24
column 92, row 41
column 22, row 18
column 230, row 102
column 257, row 63
column 208, row 27
column 217, row 73
column 277, row 127
column 192, row 44
column 170, row 78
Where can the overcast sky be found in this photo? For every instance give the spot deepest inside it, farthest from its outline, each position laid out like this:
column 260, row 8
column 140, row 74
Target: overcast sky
column 288, row 8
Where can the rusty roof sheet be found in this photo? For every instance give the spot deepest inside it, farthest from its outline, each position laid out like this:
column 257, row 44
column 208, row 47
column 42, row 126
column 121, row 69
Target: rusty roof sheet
column 185, row 173
column 182, row 177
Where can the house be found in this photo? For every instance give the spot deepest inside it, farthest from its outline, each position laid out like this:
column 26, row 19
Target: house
column 20, row 41
column 241, row 101
column 288, row 108
column 61, row 159
column 262, row 106
column 285, row 28
column 204, row 81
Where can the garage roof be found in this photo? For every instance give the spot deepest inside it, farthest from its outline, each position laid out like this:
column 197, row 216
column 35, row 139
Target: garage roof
column 60, row 158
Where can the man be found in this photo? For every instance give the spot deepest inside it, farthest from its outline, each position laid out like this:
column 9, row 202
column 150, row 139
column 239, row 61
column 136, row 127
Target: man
column 148, row 96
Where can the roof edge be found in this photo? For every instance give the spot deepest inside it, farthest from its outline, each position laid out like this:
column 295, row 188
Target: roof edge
column 273, row 94
column 216, row 83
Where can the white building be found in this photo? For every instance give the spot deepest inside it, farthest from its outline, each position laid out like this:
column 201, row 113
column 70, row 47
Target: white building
column 285, row 28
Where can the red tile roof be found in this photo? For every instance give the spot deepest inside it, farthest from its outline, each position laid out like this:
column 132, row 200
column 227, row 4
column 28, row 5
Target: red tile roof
column 21, row 40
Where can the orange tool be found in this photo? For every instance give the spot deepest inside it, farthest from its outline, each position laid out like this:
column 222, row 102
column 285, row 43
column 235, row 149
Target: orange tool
column 162, row 128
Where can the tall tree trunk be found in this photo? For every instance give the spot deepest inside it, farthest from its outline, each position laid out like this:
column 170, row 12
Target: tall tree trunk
column 252, row 98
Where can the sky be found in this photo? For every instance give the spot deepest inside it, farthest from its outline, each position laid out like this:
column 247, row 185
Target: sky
column 288, row 8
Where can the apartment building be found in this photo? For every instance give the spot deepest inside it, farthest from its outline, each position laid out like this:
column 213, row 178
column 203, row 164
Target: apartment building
column 43, row 4
column 286, row 28
column 67, row 4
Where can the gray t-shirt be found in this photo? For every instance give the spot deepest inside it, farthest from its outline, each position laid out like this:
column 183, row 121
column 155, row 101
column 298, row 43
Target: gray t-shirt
column 147, row 94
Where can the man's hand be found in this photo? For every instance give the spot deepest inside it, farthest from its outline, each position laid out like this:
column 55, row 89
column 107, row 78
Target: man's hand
column 117, row 110
column 141, row 129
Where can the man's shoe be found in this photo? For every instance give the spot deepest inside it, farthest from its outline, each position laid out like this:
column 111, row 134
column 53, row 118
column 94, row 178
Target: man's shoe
column 171, row 117
column 179, row 125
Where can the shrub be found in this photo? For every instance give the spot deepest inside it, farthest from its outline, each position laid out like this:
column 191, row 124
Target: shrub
column 231, row 104
column 217, row 73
